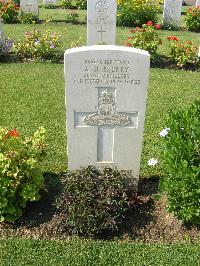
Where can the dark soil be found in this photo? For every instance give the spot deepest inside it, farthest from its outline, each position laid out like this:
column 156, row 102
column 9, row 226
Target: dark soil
column 148, row 222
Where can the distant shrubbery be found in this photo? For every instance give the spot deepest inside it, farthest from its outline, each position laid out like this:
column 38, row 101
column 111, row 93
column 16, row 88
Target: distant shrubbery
column 9, row 11
column 94, row 202
column 137, row 12
column 192, row 19
column 21, row 176
column 74, row 4
column 181, row 164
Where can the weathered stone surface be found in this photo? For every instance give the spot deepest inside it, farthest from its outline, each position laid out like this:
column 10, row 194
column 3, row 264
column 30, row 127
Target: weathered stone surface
column 101, row 21
column 106, row 90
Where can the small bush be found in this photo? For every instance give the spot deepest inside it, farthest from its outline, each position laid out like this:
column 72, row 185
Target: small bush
column 21, row 176
column 29, row 18
column 81, row 4
column 94, row 201
column 182, row 53
column 137, row 12
column 37, row 45
column 181, row 156
column 66, row 4
column 145, row 38
column 9, row 11
column 73, row 17
column 192, row 19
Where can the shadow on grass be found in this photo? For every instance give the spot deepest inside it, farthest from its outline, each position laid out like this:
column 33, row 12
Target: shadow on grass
column 42, row 211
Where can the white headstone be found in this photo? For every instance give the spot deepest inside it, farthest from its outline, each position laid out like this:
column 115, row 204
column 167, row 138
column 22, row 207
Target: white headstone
column 29, row 6
column 190, row 2
column 106, row 90
column 49, row 2
column 198, row 3
column 199, row 52
column 101, row 22
column 172, row 12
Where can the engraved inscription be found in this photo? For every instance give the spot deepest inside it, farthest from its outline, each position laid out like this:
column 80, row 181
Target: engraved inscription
column 106, row 113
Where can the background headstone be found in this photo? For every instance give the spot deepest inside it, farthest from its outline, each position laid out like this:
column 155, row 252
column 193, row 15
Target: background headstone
column 29, row 6
column 190, row 2
column 101, row 22
column 106, row 90
column 172, row 13
column 198, row 3
column 49, row 2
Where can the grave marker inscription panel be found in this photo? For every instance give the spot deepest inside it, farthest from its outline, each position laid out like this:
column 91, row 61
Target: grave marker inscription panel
column 106, row 90
column 172, row 12
column 29, row 6
column 101, row 21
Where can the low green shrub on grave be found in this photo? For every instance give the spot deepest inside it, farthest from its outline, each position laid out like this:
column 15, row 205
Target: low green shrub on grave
column 192, row 19
column 38, row 45
column 28, row 18
column 74, row 4
column 20, row 174
column 95, row 201
column 182, row 52
column 137, row 12
column 181, row 164
column 145, row 38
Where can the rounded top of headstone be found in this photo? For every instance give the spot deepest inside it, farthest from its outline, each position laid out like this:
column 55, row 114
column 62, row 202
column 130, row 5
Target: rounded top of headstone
column 105, row 48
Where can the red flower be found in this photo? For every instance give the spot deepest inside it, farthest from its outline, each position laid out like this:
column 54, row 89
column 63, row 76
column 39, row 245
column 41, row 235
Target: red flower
column 157, row 26
column 132, row 31
column 128, row 44
column 149, row 23
column 172, row 38
column 13, row 133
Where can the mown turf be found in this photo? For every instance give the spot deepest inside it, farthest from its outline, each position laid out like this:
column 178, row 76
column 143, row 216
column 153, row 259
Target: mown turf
column 77, row 252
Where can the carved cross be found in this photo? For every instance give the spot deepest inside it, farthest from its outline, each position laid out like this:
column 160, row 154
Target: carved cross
column 101, row 31
column 106, row 119
column 29, row 5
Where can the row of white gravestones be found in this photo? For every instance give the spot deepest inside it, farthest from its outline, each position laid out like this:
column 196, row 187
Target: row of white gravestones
column 172, row 13
column 29, row 6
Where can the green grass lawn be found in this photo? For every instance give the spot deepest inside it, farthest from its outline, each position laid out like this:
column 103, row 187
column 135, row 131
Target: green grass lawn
column 32, row 94
column 77, row 252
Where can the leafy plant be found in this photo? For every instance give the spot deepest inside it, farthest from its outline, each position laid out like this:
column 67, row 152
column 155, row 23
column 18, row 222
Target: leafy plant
column 21, row 176
column 9, row 11
column 66, row 4
column 181, row 163
column 182, row 53
column 145, row 38
column 95, row 201
column 81, row 4
column 29, row 18
column 137, row 12
column 37, row 45
column 192, row 19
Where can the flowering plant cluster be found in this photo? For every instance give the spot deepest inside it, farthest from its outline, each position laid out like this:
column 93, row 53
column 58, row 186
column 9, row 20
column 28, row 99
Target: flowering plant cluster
column 182, row 53
column 74, row 4
column 192, row 19
column 21, row 176
column 145, row 38
column 5, row 45
column 137, row 12
column 37, row 45
column 181, row 163
column 9, row 11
